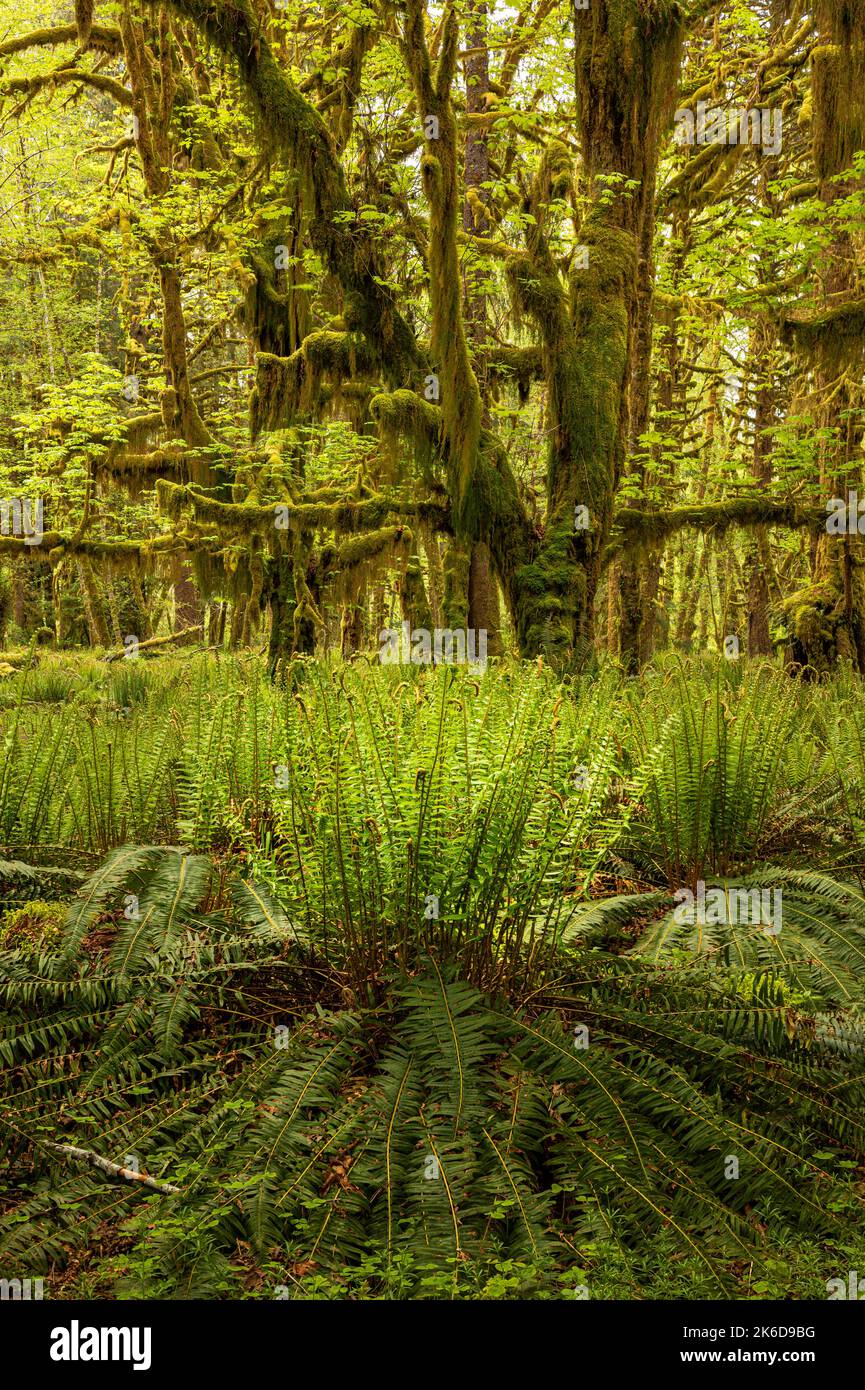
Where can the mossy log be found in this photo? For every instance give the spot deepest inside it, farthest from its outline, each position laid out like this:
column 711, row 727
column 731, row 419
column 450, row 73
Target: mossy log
column 154, row 644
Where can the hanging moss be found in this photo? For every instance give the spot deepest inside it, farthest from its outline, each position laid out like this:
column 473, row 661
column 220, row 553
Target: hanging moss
column 276, row 311
column 518, row 365
column 266, row 310
column 288, row 387
column 209, row 572
column 138, row 469
column 276, row 393
column 637, row 527
column 403, row 415
column 357, row 550
column 834, row 335
column 292, row 128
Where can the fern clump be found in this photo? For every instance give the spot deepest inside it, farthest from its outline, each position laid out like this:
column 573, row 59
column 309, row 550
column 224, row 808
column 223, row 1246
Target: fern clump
column 448, row 1127
column 405, row 994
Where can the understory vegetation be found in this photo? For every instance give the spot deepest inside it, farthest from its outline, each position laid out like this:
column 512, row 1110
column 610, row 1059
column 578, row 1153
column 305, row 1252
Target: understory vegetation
column 370, row 984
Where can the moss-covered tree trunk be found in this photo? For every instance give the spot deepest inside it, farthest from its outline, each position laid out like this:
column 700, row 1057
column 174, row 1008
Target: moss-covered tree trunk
column 483, row 594
column 627, row 64
column 292, row 628
column 827, row 620
column 97, row 625
column 758, row 557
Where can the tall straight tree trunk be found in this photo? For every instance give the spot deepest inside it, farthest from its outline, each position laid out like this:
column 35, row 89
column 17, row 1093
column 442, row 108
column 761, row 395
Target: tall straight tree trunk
column 639, row 150
column 827, row 620
column 759, row 638
column 188, row 604
column 484, row 610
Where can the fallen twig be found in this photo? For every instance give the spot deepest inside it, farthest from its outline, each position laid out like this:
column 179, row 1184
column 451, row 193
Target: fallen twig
column 115, row 1170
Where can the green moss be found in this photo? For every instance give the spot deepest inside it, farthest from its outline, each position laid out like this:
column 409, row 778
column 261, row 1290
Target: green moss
column 518, row 365
column 356, row 550
column 455, row 600
column 834, row 335
column 413, row 595
column 838, row 86
column 289, row 387
column 292, row 128
column 35, row 925
column 404, row 415
column 635, row 528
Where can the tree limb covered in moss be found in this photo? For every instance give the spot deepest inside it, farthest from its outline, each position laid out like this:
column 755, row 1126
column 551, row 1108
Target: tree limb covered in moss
column 30, row 86
column 364, row 513
column 460, row 396
column 104, row 37
column 296, row 130
column 633, row 527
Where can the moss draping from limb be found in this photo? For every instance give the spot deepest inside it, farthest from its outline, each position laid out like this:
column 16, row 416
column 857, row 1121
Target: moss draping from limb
column 122, row 554
column 266, row 311
column 353, row 564
column 403, row 415
column 278, row 383
column 31, row 86
column 292, row 127
column 17, row 545
column 102, row 36
column 518, row 365
column 177, row 463
column 276, row 306
column 350, row 67
column 357, row 550
column 701, row 179
column 208, row 568
column 835, row 335
column 139, row 428
column 635, row 527
column 348, row 514
column 287, row 387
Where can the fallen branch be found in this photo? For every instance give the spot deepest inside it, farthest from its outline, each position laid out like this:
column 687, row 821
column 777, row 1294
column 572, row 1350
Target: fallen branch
column 115, row 1170
column 156, row 642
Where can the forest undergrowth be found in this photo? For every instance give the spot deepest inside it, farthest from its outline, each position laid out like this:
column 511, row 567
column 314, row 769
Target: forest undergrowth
column 392, row 982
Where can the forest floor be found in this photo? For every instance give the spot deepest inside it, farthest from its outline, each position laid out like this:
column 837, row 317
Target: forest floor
column 392, row 982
